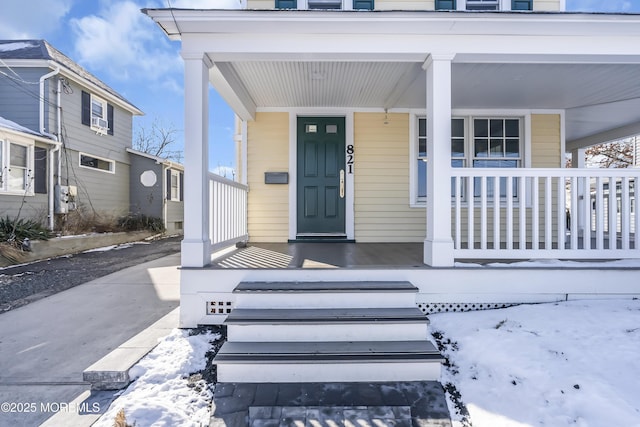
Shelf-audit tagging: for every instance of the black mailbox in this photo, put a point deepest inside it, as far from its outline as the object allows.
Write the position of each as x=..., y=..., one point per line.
x=276, y=177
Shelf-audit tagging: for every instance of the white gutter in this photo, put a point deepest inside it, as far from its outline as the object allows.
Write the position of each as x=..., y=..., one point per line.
x=56, y=144
x=42, y=79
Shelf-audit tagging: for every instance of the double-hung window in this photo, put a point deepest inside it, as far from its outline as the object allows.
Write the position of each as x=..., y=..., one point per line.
x=97, y=114
x=458, y=151
x=16, y=166
x=483, y=5
x=477, y=142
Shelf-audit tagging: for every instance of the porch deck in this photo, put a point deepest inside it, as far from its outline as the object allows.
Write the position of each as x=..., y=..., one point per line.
x=324, y=255
x=334, y=255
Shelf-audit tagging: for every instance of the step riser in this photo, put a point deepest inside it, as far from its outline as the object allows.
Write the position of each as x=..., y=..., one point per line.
x=325, y=300
x=325, y=332
x=328, y=372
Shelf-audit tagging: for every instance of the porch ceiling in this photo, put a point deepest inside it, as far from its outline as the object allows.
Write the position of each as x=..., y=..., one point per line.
x=596, y=97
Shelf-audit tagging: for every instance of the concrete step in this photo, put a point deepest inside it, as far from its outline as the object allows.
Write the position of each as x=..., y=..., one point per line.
x=361, y=361
x=325, y=294
x=343, y=324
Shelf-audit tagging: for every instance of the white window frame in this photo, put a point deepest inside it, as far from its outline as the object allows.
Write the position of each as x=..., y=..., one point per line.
x=345, y=5
x=468, y=115
x=504, y=5
x=5, y=166
x=103, y=116
x=112, y=163
x=176, y=197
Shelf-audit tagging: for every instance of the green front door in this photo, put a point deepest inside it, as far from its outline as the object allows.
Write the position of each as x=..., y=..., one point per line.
x=321, y=176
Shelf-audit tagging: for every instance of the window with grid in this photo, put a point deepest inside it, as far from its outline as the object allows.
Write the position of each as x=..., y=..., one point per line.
x=494, y=142
x=458, y=151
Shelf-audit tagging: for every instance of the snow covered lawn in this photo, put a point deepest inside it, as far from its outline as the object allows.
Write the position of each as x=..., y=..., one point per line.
x=573, y=363
x=164, y=392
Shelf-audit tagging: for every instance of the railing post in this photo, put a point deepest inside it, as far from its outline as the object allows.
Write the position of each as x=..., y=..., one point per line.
x=196, y=246
x=582, y=191
x=438, y=245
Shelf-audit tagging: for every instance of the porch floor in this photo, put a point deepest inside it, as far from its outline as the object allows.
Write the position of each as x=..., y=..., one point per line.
x=324, y=255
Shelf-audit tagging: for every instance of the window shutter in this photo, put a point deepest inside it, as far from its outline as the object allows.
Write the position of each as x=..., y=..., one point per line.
x=86, y=109
x=363, y=4
x=181, y=184
x=168, y=183
x=110, y=119
x=445, y=4
x=521, y=4
x=286, y=4
x=40, y=170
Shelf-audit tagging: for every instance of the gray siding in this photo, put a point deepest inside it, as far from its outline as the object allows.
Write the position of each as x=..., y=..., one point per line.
x=146, y=200
x=175, y=213
x=34, y=207
x=99, y=191
x=19, y=102
x=79, y=137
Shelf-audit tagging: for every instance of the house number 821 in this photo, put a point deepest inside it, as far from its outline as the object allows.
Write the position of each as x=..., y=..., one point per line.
x=350, y=158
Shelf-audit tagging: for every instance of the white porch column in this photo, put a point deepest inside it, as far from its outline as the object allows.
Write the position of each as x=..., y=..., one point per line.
x=438, y=246
x=196, y=245
x=578, y=157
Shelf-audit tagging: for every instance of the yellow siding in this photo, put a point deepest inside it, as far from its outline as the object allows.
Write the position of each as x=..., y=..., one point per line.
x=545, y=141
x=405, y=4
x=261, y=4
x=268, y=151
x=382, y=212
x=546, y=5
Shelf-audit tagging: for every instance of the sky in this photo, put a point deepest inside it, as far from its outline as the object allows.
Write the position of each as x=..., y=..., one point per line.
x=125, y=49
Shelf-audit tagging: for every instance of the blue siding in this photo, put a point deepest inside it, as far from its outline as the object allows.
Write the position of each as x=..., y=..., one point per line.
x=19, y=102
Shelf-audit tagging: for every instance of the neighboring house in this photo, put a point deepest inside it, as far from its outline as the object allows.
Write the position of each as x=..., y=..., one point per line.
x=23, y=167
x=436, y=130
x=88, y=124
x=156, y=189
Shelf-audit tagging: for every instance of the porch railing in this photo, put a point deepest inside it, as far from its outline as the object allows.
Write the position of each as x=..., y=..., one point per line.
x=228, y=212
x=545, y=213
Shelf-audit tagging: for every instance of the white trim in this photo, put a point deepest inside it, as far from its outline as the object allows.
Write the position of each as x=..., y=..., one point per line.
x=112, y=169
x=293, y=175
x=176, y=173
x=244, y=144
x=5, y=166
x=294, y=113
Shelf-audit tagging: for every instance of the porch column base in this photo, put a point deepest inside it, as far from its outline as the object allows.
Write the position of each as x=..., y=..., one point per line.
x=195, y=253
x=438, y=253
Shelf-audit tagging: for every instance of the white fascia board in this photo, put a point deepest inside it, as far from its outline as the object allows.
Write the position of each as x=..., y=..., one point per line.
x=603, y=137
x=180, y=22
x=26, y=137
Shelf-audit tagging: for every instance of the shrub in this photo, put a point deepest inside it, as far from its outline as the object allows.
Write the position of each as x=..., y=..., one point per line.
x=17, y=230
x=137, y=222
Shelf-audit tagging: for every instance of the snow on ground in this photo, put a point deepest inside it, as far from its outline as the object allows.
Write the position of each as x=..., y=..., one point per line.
x=162, y=394
x=573, y=363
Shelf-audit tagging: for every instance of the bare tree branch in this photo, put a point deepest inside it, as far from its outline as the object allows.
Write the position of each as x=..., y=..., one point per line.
x=159, y=140
x=617, y=154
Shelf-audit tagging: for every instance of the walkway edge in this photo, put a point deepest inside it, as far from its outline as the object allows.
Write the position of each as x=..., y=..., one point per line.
x=112, y=371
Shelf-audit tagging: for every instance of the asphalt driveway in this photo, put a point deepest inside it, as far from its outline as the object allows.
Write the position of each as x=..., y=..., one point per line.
x=46, y=344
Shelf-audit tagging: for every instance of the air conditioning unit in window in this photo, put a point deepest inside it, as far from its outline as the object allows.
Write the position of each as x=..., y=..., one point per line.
x=100, y=125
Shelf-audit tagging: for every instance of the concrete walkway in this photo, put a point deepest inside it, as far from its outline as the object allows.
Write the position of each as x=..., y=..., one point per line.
x=46, y=345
